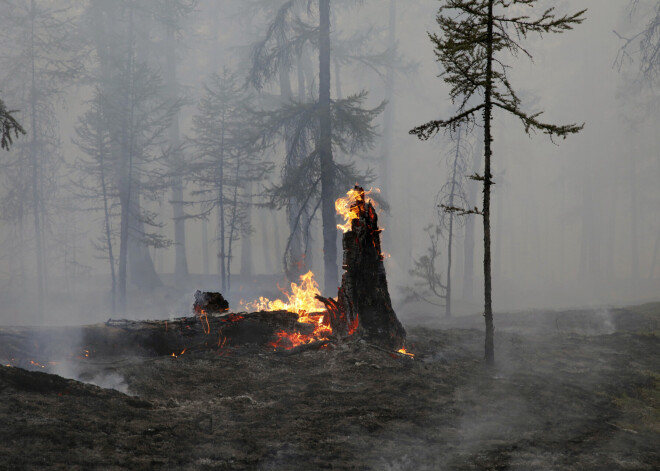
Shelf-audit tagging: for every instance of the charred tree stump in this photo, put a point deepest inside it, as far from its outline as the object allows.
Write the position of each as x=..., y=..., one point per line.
x=363, y=299
x=210, y=302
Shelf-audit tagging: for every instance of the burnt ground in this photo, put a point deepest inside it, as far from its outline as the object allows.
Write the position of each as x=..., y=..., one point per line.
x=573, y=390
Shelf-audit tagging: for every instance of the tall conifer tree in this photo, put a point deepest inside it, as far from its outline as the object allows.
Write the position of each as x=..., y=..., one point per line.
x=474, y=36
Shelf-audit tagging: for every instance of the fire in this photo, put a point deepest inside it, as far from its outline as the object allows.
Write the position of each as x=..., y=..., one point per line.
x=303, y=302
x=348, y=206
x=403, y=351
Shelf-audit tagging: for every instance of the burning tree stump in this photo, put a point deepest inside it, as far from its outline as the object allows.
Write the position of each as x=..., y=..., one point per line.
x=363, y=299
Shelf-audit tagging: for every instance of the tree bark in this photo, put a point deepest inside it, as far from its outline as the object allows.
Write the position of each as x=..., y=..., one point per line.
x=488, y=302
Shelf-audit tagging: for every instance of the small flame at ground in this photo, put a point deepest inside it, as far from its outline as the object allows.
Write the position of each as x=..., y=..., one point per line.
x=403, y=351
x=347, y=206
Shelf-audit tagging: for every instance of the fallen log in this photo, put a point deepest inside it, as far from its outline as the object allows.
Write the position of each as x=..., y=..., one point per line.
x=117, y=338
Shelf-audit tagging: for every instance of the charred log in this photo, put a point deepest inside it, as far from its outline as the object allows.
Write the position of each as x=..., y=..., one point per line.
x=210, y=302
x=121, y=338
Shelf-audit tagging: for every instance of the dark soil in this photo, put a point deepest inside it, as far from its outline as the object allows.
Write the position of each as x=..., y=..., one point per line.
x=571, y=391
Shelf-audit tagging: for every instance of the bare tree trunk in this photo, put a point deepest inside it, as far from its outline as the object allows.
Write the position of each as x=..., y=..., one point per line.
x=293, y=205
x=246, y=236
x=266, y=237
x=234, y=222
x=468, y=245
x=36, y=170
x=325, y=153
x=388, y=114
x=205, y=246
x=488, y=301
x=222, y=266
x=451, y=225
x=180, y=260
x=106, y=217
x=126, y=177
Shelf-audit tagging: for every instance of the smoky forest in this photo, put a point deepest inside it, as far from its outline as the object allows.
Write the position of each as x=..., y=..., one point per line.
x=330, y=234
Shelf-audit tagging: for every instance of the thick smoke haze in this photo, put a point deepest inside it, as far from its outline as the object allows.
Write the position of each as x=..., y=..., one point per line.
x=575, y=222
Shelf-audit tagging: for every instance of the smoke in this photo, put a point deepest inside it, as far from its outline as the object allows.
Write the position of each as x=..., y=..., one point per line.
x=91, y=374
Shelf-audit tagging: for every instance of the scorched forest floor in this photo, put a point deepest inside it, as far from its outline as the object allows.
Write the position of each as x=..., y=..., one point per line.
x=576, y=390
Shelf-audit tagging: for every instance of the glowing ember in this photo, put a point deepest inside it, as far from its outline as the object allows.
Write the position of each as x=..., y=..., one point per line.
x=204, y=319
x=348, y=206
x=174, y=355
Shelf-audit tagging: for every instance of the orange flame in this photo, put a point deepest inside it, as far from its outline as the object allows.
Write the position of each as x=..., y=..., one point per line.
x=303, y=302
x=403, y=351
x=347, y=207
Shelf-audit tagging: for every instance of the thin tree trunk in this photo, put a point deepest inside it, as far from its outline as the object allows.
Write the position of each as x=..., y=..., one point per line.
x=205, y=246
x=488, y=302
x=266, y=237
x=293, y=205
x=468, y=245
x=246, y=236
x=127, y=177
x=388, y=114
x=234, y=221
x=325, y=153
x=221, y=209
x=180, y=260
x=108, y=233
x=451, y=225
x=36, y=197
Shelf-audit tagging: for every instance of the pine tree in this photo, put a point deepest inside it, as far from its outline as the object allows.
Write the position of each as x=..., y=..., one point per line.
x=474, y=35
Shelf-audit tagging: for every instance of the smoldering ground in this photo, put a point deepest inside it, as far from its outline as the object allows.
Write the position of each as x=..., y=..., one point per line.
x=558, y=398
